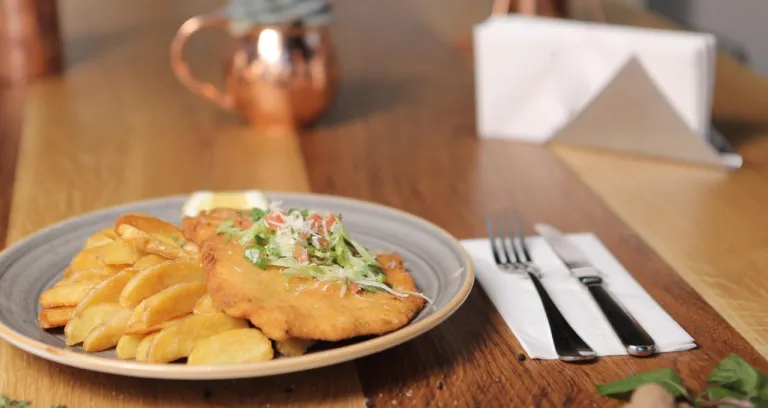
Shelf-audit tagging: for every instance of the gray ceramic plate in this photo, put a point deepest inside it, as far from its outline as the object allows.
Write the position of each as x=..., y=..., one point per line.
x=440, y=266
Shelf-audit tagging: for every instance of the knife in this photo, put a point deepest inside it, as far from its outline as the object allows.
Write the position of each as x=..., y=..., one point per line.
x=635, y=339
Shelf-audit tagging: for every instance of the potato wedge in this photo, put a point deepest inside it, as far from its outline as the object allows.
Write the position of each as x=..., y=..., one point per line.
x=107, y=291
x=66, y=295
x=205, y=305
x=175, y=301
x=97, y=275
x=293, y=347
x=155, y=328
x=165, y=232
x=145, y=242
x=119, y=252
x=142, y=350
x=55, y=317
x=177, y=341
x=237, y=346
x=158, y=278
x=86, y=259
x=67, y=273
x=127, y=346
x=100, y=238
x=81, y=324
x=149, y=260
x=106, y=335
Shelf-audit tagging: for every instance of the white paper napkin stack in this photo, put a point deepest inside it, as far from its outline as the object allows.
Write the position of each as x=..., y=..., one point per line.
x=536, y=76
x=519, y=304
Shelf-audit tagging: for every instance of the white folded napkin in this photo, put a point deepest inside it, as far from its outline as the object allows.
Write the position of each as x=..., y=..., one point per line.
x=533, y=75
x=519, y=304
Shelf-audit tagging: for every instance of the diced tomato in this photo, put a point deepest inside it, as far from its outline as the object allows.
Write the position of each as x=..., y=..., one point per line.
x=320, y=242
x=274, y=220
x=320, y=224
x=301, y=254
x=354, y=287
x=243, y=222
x=329, y=221
x=314, y=221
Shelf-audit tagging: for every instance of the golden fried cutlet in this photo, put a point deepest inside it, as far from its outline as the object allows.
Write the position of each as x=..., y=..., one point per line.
x=298, y=307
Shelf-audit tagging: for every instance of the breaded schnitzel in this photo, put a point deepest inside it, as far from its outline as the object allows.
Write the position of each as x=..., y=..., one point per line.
x=312, y=296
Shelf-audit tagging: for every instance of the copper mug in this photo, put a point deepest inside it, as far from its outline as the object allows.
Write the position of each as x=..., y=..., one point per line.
x=278, y=76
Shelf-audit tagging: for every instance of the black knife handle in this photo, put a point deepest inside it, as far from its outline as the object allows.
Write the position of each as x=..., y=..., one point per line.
x=632, y=335
x=569, y=346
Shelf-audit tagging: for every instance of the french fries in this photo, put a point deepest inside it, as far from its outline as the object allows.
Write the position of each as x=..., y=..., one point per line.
x=149, y=260
x=175, y=301
x=293, y=347
x=163, y=231
x=177, y=341
x=142, y=349
x=96, y=275
x=145, y=242
x=139, y=288
x=238, y=346
x=127, y=346
x=100, y=238
x=106, y=335
x=107, y=291
x=81, y=324
x=89, y=258
x=55, y=317
x=69, y=294
x=158, y=278
x=118, y=252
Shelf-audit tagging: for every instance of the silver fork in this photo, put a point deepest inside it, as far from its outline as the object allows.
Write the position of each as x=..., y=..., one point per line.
x=569, y=346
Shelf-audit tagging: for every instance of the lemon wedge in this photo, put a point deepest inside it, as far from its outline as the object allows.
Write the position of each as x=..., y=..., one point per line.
x=238, y=200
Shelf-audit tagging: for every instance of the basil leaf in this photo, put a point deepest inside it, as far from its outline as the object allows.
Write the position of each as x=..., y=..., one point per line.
x=666, y=377
x=733, y=373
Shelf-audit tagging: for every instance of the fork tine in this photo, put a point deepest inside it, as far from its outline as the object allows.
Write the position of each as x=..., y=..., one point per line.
x=521, y=236
x=504, y=237
x=511, y=236
x=492, y=238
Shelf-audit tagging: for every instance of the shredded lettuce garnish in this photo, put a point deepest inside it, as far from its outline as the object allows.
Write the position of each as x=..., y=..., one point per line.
x=308, y=244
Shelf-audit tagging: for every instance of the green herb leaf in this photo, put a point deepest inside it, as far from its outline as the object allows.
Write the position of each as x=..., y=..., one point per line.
x=733, y=373
x=257, y=214
x=716, y=394
x=666, y=377
x=59, y=406
x=8, y=402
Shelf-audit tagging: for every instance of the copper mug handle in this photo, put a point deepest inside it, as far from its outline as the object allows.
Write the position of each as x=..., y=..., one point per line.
x=181, y=67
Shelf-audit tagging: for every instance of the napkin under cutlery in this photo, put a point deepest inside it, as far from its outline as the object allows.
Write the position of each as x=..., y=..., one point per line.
x=519, y=305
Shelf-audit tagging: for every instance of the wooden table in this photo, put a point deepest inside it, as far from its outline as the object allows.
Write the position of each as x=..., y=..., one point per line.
x=118, y=127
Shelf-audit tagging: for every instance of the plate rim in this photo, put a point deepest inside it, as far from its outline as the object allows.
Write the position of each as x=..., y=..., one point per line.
x=251, y=370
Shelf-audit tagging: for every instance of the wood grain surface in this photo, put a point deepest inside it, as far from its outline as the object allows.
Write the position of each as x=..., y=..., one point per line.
x=118, y=127
x=706, y=224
